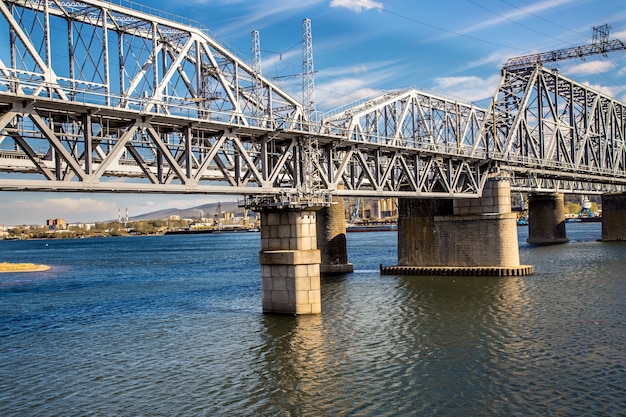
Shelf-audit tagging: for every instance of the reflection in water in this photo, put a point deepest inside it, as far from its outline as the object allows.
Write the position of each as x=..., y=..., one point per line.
x=415, y=347
x=294, y=362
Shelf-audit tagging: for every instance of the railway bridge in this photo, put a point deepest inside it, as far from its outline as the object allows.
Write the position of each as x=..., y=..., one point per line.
x=135, y=102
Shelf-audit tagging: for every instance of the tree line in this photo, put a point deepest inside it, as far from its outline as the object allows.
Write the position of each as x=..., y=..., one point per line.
x=114, y=228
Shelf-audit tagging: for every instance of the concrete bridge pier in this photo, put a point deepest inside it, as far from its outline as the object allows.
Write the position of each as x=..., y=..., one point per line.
x=613, y=217
x=546, y=219
x=290, y=262
x=459, y=237
x=331, y=239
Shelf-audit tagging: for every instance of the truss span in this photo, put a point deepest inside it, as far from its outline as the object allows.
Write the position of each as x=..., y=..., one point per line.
x=409, y=141
x=132, y=102
x=554, y=134
x=61, y=146
x=143, y=104
x=117, y=57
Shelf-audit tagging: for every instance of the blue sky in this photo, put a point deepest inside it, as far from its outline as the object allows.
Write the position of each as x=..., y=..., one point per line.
x=453, y=48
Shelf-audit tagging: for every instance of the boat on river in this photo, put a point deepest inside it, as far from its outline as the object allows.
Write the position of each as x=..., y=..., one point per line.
x=375, y=227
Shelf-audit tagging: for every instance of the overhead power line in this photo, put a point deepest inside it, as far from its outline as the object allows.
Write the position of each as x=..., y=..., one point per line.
x=599, y=45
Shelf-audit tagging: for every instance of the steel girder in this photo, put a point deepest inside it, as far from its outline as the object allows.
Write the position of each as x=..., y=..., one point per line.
x=413, y=120
x=551, y=133
x=130, y=101
x=65, y=147
x=595, y=48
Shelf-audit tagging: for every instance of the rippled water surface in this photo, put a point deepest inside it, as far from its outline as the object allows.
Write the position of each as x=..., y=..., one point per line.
x=172, y=325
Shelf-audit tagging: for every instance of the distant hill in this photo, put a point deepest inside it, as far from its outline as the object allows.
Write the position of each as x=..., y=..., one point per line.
x=207, y=211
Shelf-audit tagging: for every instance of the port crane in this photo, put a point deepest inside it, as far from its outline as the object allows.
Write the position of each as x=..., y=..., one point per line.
x=585, y=210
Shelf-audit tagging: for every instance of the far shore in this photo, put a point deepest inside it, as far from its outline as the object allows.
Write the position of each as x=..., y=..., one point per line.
x=22, y=267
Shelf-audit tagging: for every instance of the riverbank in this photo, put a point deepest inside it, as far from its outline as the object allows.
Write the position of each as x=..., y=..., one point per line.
x=22, y=267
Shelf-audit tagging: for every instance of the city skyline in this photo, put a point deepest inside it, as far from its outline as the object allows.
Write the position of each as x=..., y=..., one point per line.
x=362, y=48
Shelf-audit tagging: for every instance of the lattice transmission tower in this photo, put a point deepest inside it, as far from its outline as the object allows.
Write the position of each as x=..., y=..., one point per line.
x=308, y=72
x=311, y=182
x=257, y=85
x=310, y=189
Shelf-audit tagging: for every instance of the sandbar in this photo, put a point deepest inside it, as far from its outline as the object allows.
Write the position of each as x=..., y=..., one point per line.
x=22, y=267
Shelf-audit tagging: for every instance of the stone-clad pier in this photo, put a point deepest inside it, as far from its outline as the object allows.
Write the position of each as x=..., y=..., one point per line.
x=290, y=262
x=461, y=237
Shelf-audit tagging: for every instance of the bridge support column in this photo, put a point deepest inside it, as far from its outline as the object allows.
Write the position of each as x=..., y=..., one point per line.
x=613, y=217
x=418, y=237
x=331, y=239
x=290, y=262
x=546, y=219
x=463, y=236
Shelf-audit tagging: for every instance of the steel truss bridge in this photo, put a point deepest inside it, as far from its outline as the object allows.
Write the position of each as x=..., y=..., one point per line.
x=99, y=97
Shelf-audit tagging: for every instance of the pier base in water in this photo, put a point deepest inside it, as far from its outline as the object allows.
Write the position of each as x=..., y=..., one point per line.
x=502, y=271
x=459, y=237
x=331, y=239
x=614, y=217
x=546, y=219
x=290, y=262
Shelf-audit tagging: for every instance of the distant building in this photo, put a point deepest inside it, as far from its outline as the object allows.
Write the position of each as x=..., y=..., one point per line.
x=86, y=226
x=55, y=224
x=174, y=217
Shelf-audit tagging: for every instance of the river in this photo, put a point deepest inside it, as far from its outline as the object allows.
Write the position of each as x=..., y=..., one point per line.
x=172, y=326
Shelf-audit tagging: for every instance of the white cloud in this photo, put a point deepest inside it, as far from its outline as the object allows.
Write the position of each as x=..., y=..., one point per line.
x=179, y=202
x=497, y=58
x=35, y=208
x=342, y=92
x=515, y=14
x=282, y=64
x=619, y=35
x=341, y=86
x=356, y=5
x=263, y=14
x=467, y=88
x=591, y=67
